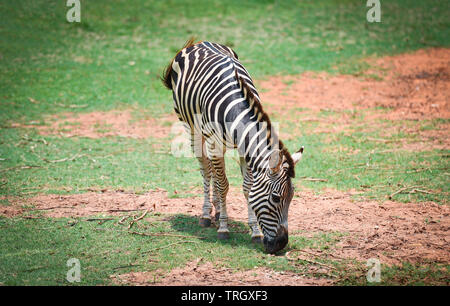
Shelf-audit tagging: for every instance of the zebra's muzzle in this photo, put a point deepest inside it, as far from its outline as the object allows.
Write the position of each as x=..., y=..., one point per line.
x=273, y=245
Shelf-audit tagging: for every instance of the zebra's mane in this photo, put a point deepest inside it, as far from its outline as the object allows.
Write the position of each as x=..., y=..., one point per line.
x=259, y=111
x=165, y=78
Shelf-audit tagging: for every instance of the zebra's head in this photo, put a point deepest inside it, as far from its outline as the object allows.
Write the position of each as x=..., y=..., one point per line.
x=271, y=195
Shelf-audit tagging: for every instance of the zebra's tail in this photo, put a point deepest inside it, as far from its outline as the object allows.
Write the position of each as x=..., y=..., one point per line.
x=165, y=78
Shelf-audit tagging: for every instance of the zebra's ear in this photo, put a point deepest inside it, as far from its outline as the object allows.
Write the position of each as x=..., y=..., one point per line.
x=275, y=161
x=297, y=155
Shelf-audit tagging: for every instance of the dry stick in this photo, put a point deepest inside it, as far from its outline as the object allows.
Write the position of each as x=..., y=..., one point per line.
x=142, y=216
x=308, y=260
x=135, y=220
x=63, y=159
x=127, y=266
x=312, y=179
x=19, y=167
x=115, y=210
x=169, y=245
x=49, y=208
x=401, y=190
x=123, y=219
x=380, y=140
x=99, y=219
x=164, y=234
x=422, y=191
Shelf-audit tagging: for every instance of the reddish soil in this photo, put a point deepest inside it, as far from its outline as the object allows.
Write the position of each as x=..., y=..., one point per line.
x=414, y=86
x=103, y=124
x=394, y=232
x=206, y=274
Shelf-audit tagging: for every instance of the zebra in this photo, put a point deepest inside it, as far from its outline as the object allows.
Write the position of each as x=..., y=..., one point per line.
x=215, y=98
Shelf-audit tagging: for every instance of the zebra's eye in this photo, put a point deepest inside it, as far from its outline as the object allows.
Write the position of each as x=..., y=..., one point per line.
x=275, y=198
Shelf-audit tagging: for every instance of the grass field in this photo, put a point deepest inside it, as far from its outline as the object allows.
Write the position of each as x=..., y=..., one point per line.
x=113, y=59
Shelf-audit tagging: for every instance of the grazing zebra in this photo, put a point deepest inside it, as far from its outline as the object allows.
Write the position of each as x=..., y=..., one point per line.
x=215, y=98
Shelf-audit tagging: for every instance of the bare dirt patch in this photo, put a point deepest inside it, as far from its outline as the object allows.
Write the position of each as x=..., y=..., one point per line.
x=206, y=274
x=394, y=232
x=103, y=124
x=414, y=86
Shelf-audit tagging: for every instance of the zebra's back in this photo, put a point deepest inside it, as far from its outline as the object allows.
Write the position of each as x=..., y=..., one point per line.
x=205, y=82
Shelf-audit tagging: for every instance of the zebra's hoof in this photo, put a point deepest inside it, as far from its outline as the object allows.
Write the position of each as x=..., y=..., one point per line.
x=204, y=222
x=223, y=235
x=257, y=240
x=216, y=216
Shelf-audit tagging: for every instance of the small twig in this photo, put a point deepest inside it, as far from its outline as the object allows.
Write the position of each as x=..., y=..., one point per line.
x=102, y=220
x=312, y=179
x=73, y=105
x=163, y=234
x=137, y=219
x=63, y=159
x=19, y=167
x=99, y=219
x=169, y=245
x=142, y=216
x=116, y=210
x=421, y=191
x=127, y=266
x=307, y=260
x=401, y=190
x=49, y=208
x=379, y=139
x=123, y=219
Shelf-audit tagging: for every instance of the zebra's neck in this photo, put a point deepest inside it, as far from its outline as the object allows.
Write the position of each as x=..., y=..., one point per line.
x=255, y=144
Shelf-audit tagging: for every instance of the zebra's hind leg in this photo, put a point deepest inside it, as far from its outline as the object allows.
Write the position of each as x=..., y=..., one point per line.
x=221, y=186
x=206, y=171
x=257, y=236
x=205, y=168
x=215, y=200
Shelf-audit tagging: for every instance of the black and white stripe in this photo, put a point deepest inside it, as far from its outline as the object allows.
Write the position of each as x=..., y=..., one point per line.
x=216, y=98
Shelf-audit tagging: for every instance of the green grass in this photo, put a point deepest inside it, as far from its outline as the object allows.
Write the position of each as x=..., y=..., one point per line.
x=35, y=251
x=113, y=60
x=114, y=57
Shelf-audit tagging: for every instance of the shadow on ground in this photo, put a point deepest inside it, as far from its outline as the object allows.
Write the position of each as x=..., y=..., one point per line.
x=239, y=231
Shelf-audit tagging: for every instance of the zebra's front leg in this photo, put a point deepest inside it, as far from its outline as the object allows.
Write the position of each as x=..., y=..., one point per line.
x=257, y=236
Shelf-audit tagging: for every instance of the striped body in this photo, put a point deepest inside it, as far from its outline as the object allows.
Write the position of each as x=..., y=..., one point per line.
x=216, y=98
